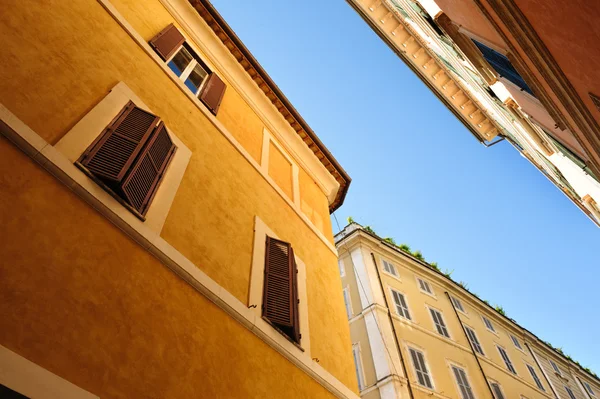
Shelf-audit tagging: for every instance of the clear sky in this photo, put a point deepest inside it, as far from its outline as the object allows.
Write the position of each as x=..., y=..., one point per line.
x=421, y=177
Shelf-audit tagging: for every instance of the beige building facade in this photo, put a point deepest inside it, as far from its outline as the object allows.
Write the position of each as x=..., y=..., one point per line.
x=418, y=334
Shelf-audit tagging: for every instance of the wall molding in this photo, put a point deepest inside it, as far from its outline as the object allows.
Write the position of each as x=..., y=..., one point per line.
x=63, y=169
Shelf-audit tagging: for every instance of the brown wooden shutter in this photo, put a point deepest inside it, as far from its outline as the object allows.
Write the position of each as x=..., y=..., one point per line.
x=280, y=295
x=142, y=182
x=167, y=42
x=111, y=155
x=213, y=92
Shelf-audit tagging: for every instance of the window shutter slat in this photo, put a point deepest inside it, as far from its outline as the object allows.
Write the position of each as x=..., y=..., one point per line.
x=167, y=41
x=142, y=182
x=213, y=92
x=280, y=295
x=110, y=157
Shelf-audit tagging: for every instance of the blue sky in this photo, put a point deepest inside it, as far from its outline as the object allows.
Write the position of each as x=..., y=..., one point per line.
x=420, y=176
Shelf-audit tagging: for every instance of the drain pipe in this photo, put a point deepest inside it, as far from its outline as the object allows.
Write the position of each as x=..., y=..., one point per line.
x=410, y=391
x=487, y=383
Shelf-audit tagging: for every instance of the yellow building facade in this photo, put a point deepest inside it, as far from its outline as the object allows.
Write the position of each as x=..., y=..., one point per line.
x=418, y=334
x=139, y=270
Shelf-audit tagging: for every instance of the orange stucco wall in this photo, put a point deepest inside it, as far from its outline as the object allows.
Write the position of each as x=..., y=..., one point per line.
x=280, y=169
x=115, y=319
x=570, y=32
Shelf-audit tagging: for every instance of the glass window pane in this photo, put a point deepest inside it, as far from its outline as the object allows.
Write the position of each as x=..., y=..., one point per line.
x=180, y=61
x=195, y=78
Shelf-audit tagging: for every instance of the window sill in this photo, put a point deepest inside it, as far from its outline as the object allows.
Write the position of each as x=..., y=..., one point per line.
x=296, y=344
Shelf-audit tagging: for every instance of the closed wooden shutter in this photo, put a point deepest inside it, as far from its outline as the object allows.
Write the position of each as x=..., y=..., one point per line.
x=142, y=182
x=112, y=154
x=213, y=92
x=280, y=295
x=167, y=42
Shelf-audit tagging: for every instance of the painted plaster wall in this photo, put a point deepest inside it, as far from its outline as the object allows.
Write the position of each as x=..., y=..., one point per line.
x=313, y=204
x=60, y=60
x=280, y=169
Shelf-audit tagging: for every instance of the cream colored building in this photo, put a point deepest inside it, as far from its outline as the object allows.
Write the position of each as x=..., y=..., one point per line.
x=418, y=334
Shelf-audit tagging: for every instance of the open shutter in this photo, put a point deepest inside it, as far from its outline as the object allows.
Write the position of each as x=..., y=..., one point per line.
x=167, y=41
x=111, y=155
x=213, y=92
x=280, y=294
x=143, y=180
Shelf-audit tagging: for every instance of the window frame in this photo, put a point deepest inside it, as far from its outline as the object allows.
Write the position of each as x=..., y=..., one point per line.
x=458, y=305
x=570, y=392
x=195, y=61
x=535, y=377
x=496, y=383
x=392, y=267
x=342, y=268
x=516, y=342
x=588, y=388
x=489, y=325
x=421, y=282
x=359, y=366
x=458, y=384
x=507, y=362
x=427, y=373
x=436, y=326
x=408, y=309
x=474, y=344
x=348, y=302
x=555, y=367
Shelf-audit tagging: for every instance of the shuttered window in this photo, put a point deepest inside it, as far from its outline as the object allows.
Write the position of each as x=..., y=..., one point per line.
x=466, y=392
x=497, y=391
x=458, y=304
x=280, y=294
x=535, y=377
x=507, y=361
x=424, y=286
x=170, y=45
x=516, y=342
x=421, y=370
x=588, y=388
x=390, y=268
x=131, y=156
x=401, y=306
x=555, y=367
x=348, y=302
x=474, y=341
x=488, y=324
x=571, y=394
x=440, y=325
x=360, y=377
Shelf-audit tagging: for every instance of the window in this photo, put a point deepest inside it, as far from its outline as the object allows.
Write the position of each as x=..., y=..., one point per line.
x=463, y=383
x=342, y=268
x=280, y=290
x=358, y=366
x=588, y=388
x=496, y=390
x=348, y=302
x=555, y=367
x=457, y=304
x=401, y=306
x=507, y=361
x=474, y=341
x=488, y=324
x=439, y=323
x=535, y=377
x=389, y=268
x=516, y=342
x=421, y=370
x=571, y=394
x=170, y=45
x=130, y=157
x=424, y=286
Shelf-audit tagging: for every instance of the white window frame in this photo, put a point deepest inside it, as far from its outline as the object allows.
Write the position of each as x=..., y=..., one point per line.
x=416, y=371
x=410, y=312
x=492, y=382
x=475, y=344
x=358, y=366
x=555, y=367
x=588, y=388
x=510, y=366
x=457, y=383
x=535, y=377
x=342, y=268
x=490, y=327
x=189, y=68
x=421, y=282
x=435, y=325
x=516, y=342
x=570, y=392
x=393, y=269
x=348, y=302
x=458, y=305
